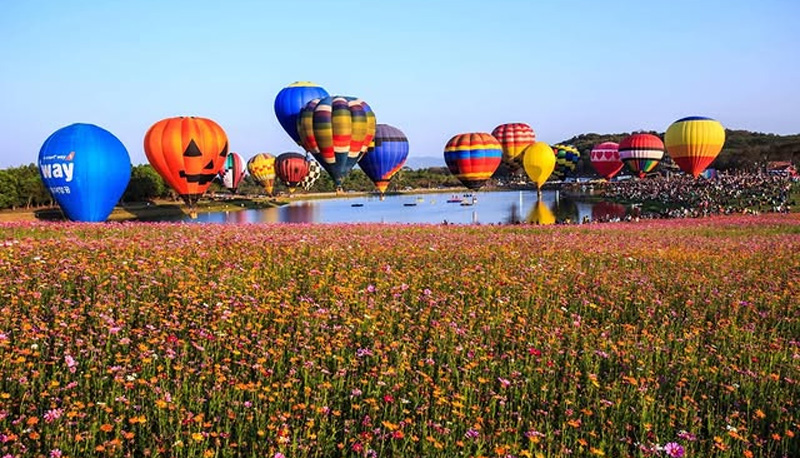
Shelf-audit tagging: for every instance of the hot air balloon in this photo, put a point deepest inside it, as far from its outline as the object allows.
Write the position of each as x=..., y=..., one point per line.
x=567, y=157
x=473, y=158
x=514, y=138
x=541, y=214
x=232, y=172
x=314, y=172
x=262, y=169
x=539, y=162
x=290, y=100
x=694, y=142
x=291, y=168
x=337, y=131
x=188, y=153
x=605, y=159
x=385, y=156
x=86, y=169
x=641, y=152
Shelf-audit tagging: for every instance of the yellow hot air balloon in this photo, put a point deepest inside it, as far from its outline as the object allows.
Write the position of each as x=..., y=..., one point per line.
x=694, y=142
x=262, y=169
x=541, y=214
x=539, y=162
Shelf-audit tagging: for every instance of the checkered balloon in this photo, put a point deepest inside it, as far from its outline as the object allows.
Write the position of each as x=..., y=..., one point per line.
x=314, y=171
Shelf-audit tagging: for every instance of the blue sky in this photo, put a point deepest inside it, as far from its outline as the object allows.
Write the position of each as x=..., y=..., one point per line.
x=431, y=68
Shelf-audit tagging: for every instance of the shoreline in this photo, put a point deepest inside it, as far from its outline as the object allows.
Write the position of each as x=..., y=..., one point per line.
x=145, y=211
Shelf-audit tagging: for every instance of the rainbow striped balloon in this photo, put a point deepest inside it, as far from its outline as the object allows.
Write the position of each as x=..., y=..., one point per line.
x=694, y=142
x=641, y=152
x=337, y=131
x=514, y=138
x=473, y=158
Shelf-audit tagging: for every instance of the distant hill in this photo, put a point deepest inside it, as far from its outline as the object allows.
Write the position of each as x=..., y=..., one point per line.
x=424, y=162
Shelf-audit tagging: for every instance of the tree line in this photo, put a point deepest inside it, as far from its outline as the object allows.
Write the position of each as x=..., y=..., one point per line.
x=22, y=187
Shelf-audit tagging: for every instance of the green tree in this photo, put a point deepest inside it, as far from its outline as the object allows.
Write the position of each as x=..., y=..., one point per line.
x=145, y=184
x=9, y=189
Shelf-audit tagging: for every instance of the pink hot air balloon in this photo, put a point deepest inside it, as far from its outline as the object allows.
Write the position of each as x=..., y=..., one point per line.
x=605, y=159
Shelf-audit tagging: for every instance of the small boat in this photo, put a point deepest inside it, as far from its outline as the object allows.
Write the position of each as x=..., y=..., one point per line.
x=410, y=204
x=356, y=205
x=420, y=199
x=466, y=203
x=453, y=200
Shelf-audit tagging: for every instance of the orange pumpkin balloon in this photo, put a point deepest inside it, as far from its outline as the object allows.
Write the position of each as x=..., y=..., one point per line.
x=187, y=152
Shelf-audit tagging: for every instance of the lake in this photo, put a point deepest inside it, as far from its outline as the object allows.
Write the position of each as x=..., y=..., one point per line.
x=505, y=207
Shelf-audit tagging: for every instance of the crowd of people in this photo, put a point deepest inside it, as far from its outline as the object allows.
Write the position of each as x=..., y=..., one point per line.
x=681, y=196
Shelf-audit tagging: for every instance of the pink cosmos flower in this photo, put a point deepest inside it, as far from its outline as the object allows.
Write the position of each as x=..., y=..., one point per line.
x=673, y=450
x=52, y=415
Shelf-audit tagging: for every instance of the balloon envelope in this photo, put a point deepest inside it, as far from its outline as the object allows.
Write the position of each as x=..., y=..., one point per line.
x=290, y=100
x=473, y=158
x=539, y=162
x=567, y=157
x=262, y=169
x=385, y=156
x=641, y=152
x=232, y=172
x=86, y=169
x=605, y=159
x=314, y=172
x=187, y=152
x=291, y=168
x=694, y=142
x=514, y=138
x=337, y=131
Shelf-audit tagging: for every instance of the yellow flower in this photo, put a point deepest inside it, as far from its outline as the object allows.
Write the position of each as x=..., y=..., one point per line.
x=197, y=437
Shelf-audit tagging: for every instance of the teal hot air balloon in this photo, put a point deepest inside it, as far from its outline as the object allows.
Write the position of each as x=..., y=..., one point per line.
x=86, y=169
x=290, y=100
x=337, y=131
x=385, y=156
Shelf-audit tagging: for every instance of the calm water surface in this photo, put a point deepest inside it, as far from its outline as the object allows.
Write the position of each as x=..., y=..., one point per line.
x=489, y=208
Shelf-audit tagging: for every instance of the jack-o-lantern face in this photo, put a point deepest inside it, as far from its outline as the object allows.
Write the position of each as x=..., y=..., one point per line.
x=187, y=152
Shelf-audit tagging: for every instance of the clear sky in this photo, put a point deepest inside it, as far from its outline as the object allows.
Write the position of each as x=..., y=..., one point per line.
x=433, y=68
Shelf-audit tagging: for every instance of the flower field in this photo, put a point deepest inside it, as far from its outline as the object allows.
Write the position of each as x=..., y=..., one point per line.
x=661, y=338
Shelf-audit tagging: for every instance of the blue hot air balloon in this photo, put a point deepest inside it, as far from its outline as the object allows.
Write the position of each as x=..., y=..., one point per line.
x=290, y=100
x=385, y=156
x=86, y=169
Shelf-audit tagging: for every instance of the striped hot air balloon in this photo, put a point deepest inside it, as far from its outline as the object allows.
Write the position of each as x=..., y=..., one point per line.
x=694, y=142
x=641, y=152
x=605, y=159
x=291, y=168
x=514, y=138
x=567, y=157
x=385, y=156
x=262, y=169
x=473, y=158
x=232, y=172
x=337, y=131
